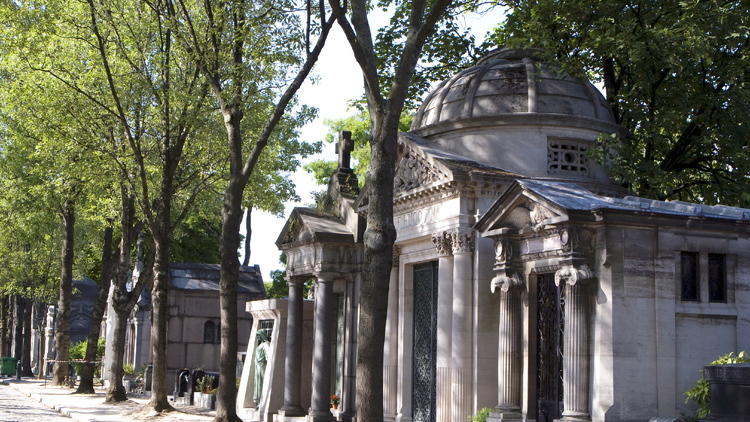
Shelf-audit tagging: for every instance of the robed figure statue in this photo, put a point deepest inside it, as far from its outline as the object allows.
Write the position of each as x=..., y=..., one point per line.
x=262, y=350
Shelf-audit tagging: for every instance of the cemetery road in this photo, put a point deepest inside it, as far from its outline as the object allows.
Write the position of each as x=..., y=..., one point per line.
x=16, y=407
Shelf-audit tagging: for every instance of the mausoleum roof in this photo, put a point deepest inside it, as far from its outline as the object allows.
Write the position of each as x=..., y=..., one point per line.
x=573, y=197
x=507, y=83
x=309, y=225
x=195, y=276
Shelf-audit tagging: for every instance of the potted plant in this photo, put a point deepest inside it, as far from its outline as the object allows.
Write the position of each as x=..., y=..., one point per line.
x=128, y=378
x=206, y=395
x=335, y=400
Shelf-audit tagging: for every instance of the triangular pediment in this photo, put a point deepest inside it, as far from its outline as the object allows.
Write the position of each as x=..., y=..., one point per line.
x=307, y=225
x=416, y=170
x=519, y=209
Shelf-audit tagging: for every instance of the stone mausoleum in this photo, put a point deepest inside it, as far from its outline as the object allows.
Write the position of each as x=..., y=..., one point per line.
x=523, y=279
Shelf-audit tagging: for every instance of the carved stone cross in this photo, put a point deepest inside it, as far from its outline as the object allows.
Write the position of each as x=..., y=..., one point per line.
x=344, y=150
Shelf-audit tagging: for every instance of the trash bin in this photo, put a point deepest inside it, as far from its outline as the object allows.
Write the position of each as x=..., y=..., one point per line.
x=8, y=366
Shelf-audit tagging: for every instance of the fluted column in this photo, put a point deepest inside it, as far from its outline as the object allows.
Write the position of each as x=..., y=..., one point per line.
x=293, y=357
x=390, y=350
x=575, y=343
x=462, y=242
x=442, y=242
x=509, y=348
x=320, y=402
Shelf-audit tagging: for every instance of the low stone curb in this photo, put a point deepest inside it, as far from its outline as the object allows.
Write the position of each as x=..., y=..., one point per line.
x=36, y=397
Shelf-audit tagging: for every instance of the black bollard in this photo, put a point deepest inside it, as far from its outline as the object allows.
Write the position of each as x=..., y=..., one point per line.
x=18, y=370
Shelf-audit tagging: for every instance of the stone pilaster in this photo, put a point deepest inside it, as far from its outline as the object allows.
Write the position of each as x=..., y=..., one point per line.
x=390, y=350
x=138, y=340
x=575, y=342
x=320, y=401
x=509, y=367
x=293, y=351
x=442, y=242
x=462, y=242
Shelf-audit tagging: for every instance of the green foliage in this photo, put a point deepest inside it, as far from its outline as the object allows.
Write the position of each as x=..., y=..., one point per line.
x=359, y=125
x=277, y=288
x=77, y=351
x=449, y=49
x=700, y=391
x=675, y=74
x=205, y=384
x=481, y=415
x=128, y=369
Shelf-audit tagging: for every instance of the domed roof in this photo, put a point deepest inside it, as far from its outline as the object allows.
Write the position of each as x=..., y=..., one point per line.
x=509, y=82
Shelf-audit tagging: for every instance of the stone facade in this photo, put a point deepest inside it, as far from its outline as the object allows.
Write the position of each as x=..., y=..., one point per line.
x=523, y=279
x=193, y=339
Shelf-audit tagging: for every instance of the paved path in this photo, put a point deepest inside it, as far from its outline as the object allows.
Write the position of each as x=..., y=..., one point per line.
x=17, y=407
x=31, y=400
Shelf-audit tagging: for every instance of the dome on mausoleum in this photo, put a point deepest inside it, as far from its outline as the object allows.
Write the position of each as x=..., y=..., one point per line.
x=511, y=83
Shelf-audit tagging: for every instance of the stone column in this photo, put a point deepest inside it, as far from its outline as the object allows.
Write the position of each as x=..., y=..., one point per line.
x=138, y=339
x=348, y=401
x=49, y=338
x=390, y=349
x=442, y=242
x=293, y=351
x=320, y=401
x=575, y=343
x=509, y=365
x=462, y=241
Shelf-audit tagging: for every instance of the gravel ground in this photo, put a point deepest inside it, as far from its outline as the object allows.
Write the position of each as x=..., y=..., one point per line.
x=16, y=407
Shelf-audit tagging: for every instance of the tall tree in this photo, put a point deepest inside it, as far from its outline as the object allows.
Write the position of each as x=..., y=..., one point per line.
x=86, y=384
x=232, y=42
x=676, y=76
x=385, y=103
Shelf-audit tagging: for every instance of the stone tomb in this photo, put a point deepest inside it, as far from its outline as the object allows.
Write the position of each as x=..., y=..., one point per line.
x=523, y=279
x=270, y=319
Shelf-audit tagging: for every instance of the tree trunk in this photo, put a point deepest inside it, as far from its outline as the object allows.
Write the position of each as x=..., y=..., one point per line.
x=373, y=305
x=160, y=305
x=116, y=391
x=4, y=319
x=122, y=300
x=86, y=386
x=62, y=334
x=248, y=235
x=230, y=241
x=18, y=328
x=26, y=360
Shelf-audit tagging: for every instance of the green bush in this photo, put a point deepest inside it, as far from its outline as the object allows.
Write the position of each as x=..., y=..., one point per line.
x=481, y=415
x=78, y=352
x=128, y=369
x=700, y=393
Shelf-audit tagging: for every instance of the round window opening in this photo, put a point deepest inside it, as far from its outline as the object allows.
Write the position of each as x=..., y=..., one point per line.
x=568, y=157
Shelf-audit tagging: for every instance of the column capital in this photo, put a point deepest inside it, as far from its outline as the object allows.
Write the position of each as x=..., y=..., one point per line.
x=442, y=243
x=462, y=241
x=572, y=275
x=327, y=276
x=505, y=280
x=294, y=281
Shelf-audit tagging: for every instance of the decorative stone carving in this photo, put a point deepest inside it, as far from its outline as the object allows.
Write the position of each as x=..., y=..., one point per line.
x=443, y=243
x=538, y=214
x=576, y=239
x=462, y=241
x=503, y=251
x=262, y=352
x=415, y=171
x=505, y=281
x=571, y=275
x=292, y=232
x=396, y=255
